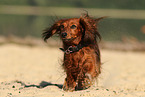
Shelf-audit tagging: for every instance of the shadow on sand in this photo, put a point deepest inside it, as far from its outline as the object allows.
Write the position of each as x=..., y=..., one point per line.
x=43, y=84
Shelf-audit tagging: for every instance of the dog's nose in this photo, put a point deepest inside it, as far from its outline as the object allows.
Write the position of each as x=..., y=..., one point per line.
x=64, y=35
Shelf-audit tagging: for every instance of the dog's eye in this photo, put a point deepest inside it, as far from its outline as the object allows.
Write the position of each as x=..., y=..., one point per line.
x=73, y=27
x=62, y=26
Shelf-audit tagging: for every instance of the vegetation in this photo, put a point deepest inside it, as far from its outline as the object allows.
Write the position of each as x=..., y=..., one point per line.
x=110, y=29
x=121, y=4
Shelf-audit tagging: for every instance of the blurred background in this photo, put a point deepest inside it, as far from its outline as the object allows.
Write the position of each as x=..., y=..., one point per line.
x=28, y=18
x=28, y=64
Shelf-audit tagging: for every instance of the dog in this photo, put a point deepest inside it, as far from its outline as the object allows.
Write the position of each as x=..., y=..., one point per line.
x=82, y=62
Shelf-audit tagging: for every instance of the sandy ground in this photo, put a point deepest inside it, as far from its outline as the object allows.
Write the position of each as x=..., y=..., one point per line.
x=36, y=72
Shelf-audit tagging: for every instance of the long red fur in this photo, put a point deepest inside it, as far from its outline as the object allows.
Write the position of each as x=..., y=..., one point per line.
x=83, y=65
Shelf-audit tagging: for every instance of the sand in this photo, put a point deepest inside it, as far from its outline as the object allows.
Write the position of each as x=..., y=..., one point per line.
x=37, y=72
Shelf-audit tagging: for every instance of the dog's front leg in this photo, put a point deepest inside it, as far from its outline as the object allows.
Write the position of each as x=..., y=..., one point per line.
x=69, y=83
x=84, y=79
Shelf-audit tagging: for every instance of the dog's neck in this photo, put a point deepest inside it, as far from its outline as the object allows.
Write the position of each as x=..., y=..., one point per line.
x=72, y=49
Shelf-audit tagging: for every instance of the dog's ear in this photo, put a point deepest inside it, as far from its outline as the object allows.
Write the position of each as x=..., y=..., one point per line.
x=89, y=30
x=52, y=30
x=89, y=26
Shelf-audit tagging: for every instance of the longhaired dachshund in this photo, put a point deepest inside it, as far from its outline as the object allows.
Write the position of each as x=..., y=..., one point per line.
x=82, y=61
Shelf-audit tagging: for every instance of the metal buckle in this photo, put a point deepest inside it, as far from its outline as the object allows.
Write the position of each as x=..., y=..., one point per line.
x=68, y=51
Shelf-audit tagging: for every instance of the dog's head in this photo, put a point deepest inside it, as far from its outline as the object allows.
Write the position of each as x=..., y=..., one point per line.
x=74, y=30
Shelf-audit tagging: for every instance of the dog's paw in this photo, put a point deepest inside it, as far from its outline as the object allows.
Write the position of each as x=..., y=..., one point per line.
x=85, y=84
x=69, y=88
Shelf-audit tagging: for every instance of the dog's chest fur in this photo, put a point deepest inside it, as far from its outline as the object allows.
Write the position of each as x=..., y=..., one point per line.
x=74, y=62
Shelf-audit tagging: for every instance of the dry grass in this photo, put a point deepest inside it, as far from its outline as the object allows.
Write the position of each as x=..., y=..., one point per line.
x=51, y=11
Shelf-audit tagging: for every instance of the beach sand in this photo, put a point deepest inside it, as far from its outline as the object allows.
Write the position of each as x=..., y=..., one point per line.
x=36, y=71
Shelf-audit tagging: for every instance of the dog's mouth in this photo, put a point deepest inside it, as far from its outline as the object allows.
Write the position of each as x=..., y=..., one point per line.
x=67, y=40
